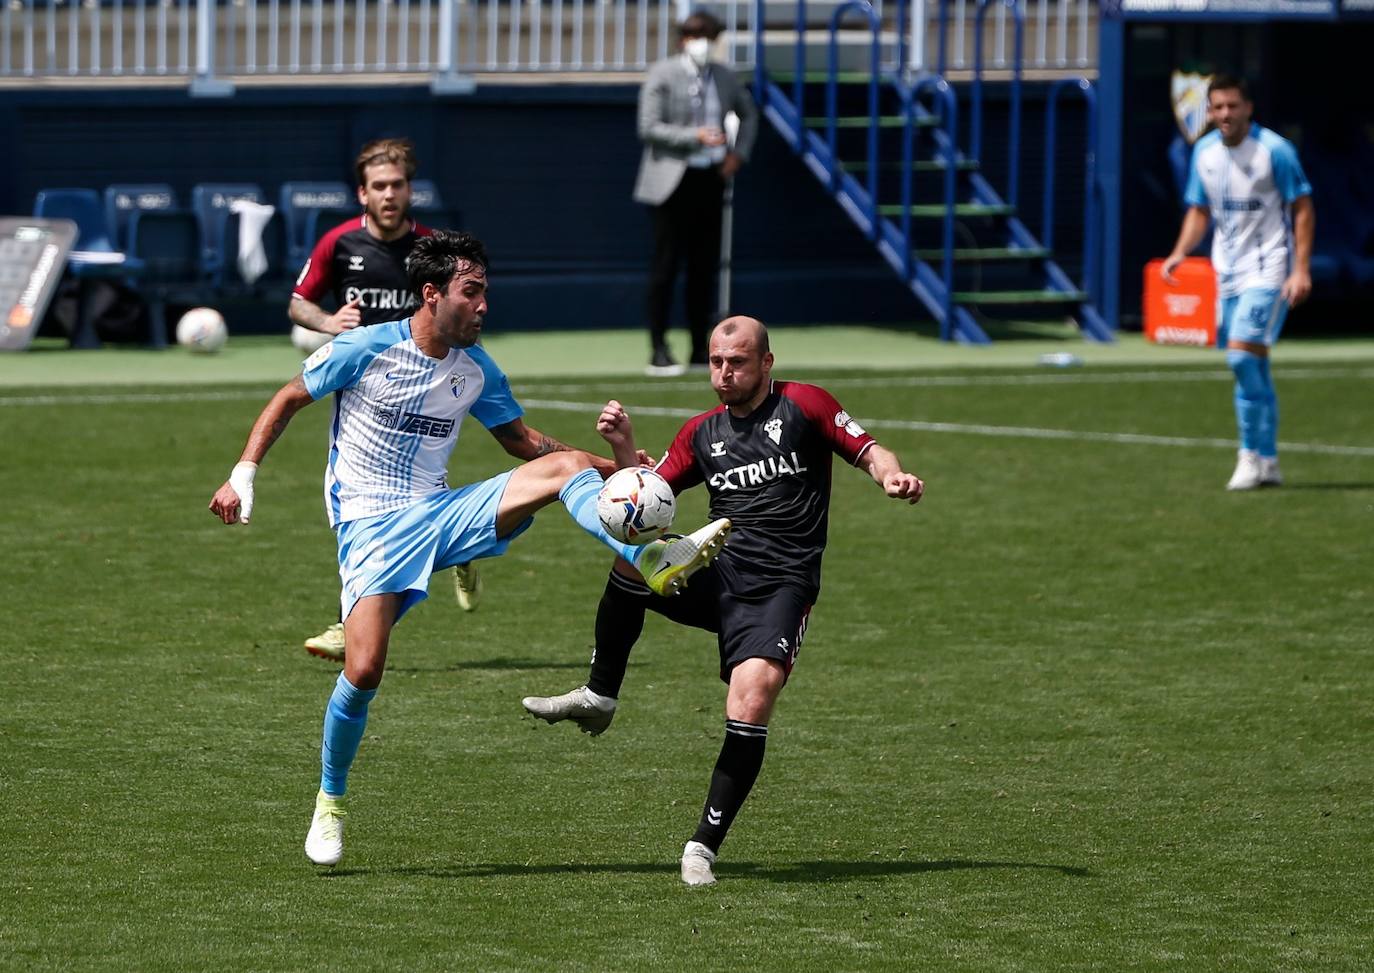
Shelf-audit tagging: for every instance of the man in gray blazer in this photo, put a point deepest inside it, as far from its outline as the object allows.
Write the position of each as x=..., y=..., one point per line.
x=686, y=163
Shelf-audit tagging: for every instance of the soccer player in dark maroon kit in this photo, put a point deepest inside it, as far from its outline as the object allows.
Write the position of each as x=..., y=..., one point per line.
x=765, y=456
x=362, y=261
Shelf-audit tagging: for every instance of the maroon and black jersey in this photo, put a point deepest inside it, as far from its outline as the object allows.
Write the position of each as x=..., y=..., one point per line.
x=770, y=474
x=350, y=263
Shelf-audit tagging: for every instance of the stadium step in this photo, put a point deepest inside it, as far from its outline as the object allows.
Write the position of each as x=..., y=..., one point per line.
x=927, y=211
x=1019, y=297
x=920, y=165
x=1004, y=254
x=862, y=121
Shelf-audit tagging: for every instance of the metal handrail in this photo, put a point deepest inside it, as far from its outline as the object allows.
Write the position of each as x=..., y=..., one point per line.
x=950, y=117
x=832, y=99
x=1085, y=88
x=1014, y=125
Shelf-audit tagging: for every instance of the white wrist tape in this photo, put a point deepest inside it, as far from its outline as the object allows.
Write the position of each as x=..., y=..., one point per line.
x=241, y=479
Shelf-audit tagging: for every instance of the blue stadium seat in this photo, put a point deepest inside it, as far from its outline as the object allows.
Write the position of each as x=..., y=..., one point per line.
x=123, y=200
x=321, y=221
x=210, y=202
x=82, y=207
x=424, y=195
x=298, y=201
x=167, y=244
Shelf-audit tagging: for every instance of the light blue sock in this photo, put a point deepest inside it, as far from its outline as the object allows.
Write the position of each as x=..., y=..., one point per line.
x=579, y=496
x=345, y=718
x=1251, y=396
x=1269, y=419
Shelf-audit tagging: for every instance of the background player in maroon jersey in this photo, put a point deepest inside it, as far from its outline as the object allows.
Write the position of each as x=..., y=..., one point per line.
x=361, y=264
x=764, y=455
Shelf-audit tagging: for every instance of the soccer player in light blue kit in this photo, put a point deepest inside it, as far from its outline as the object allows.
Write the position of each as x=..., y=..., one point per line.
x=400, y=392
x=1249, y=181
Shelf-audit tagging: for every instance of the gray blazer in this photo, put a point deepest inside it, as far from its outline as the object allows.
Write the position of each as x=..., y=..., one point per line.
x=667, y=130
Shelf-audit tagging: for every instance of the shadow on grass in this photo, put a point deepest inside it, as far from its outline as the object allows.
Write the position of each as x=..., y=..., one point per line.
x=1329, y=486
x=806, y=871
x=494, y=664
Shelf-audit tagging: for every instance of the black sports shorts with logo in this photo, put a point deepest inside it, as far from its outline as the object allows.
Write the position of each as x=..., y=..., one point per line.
x=753, y=618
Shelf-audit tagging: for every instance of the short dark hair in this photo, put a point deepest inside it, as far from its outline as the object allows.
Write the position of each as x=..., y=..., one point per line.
x=700, y=23
x=437, y=258
x=1228, y=82
x=396, y=152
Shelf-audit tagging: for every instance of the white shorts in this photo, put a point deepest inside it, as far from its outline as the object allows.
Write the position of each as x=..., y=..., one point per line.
x=396, y=552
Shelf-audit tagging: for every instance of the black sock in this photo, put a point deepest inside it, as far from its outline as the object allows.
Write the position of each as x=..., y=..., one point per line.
x=737, y=767
x=619, y=620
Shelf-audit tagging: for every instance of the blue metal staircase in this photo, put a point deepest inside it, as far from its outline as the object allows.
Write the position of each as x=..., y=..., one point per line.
x=886, y=147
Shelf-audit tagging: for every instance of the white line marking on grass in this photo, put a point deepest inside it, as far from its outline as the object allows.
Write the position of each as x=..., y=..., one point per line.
x=559, y=405
x=138, y=398
x=977, y=429
x=879, y=380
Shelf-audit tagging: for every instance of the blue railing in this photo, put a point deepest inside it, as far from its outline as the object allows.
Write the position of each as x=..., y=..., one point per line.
x=1090, y=228
x=949, y=111
x=1014, y=124
x=832, y=102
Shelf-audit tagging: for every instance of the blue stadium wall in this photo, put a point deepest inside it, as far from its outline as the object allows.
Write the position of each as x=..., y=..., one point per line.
x=542, y=174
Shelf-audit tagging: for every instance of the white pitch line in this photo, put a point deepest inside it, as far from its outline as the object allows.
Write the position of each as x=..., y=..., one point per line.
x=138, y=398
x=559, y=405
x=976, y=429
x=878, y=380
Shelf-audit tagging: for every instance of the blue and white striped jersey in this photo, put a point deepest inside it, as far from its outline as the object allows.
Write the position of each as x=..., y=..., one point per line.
x=1248, y=189
x=397, y=415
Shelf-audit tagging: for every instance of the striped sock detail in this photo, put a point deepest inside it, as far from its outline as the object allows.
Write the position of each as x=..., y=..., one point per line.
x=629, y=586
x=740, y=728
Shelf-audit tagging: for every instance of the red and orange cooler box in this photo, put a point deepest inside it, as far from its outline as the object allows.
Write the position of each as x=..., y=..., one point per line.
x=1184, y=313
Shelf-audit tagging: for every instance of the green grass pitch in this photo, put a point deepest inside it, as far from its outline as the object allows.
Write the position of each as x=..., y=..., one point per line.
x=1081, y=709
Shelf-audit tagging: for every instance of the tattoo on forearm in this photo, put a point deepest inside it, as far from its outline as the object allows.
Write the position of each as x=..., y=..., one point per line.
x=547, y=444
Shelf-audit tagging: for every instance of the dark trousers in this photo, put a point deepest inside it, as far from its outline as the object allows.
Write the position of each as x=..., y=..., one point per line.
x=687, y=229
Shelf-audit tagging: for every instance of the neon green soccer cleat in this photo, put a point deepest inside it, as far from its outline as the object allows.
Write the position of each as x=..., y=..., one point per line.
x=329, y=644
x=324, y=842
x=467, y=585
x=667, y=564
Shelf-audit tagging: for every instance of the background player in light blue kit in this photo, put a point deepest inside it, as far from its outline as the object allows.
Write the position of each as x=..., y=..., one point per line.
x=401, y=391
x=1249, y=181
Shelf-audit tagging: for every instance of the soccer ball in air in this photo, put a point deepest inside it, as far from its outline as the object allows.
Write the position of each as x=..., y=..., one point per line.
x=307, y=341
x=202, y=329
x=636, y=505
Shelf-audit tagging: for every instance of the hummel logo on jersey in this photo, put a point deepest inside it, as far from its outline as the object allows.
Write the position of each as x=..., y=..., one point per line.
x=843, y=421
x=414, y=422
x=712, y=815
x=752, y=474
x=774, y=429
x=718, y=449
x=355, y=262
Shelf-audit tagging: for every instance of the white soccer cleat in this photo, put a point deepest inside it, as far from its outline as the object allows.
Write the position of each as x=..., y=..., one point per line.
x=329, y=644
x=1247, y=475
x=591, y=711
x=697, y=862
x=467, y=585
x=324, y=842
x=1270, y=475
x=667, y=564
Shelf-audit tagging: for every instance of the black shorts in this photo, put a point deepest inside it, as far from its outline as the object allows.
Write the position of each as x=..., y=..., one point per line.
x=753, y=618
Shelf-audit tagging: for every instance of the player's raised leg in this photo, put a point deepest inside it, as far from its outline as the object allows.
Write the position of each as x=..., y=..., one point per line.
x=570, y=477
x=368, y=631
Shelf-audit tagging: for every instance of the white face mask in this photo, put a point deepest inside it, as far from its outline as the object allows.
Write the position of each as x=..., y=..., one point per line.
x=698, y=49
